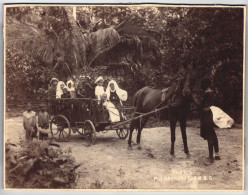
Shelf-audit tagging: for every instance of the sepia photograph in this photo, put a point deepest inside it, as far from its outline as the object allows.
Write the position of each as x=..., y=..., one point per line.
x=124, y=97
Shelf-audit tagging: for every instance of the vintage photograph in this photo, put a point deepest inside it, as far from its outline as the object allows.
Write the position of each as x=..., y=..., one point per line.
x=130, y=97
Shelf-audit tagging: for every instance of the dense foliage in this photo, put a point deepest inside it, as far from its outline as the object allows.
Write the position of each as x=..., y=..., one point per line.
x=141, y=45
x=39, y=164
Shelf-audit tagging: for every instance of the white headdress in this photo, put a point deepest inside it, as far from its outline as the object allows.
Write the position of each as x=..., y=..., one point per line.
x=59, y=91
x=122, y=94
x=72, y=88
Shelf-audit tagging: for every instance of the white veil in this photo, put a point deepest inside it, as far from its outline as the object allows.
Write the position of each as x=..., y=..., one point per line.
x=122, y=94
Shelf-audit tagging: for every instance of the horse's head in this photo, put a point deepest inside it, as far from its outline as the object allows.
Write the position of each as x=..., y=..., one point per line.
x=188, y=82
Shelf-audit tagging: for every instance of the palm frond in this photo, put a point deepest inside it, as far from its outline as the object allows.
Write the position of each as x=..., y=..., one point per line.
x=132, y=26
x=121, y=68
x=30, y=40
x=103, y=38
x=128, y=47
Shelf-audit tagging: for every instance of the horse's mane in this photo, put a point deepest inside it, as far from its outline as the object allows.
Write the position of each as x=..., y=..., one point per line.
x=137, y=95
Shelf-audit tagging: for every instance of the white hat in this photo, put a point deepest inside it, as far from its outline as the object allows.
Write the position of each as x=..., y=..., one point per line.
x=53, y=79
x=69, y=82
x=82, y=76
x=98, y=79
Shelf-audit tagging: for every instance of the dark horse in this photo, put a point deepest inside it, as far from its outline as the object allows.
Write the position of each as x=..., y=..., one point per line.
x=178, y=100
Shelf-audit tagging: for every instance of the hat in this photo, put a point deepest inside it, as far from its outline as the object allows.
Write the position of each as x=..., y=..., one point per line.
x=98, y=79
x=53, y=79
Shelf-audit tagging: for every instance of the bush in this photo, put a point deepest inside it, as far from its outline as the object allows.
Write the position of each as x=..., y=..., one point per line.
x=39, y=164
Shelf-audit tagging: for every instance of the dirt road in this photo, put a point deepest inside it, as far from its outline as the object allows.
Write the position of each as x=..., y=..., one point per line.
x=109, y=164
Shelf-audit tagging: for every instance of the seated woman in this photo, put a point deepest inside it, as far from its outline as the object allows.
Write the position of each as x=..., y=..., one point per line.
x=114, y=114
x=52, y=89
x=71, y=88
x=99, y=90
x=116, y=96
x=60, y=87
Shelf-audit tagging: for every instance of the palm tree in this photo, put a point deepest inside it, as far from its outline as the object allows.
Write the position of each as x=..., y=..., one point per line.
x=52, y=36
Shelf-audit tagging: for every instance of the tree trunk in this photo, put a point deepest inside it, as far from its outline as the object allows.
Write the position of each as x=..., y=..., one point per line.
x=78, y=39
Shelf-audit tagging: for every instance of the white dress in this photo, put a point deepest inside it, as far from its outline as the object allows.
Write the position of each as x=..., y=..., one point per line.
x=99, y=90
x=220, y=118
x=113, y=112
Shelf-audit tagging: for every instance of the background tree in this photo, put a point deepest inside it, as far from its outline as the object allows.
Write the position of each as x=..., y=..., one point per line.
x=141, y=45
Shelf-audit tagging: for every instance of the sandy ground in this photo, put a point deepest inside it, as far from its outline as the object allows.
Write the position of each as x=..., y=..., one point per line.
x=109, y=164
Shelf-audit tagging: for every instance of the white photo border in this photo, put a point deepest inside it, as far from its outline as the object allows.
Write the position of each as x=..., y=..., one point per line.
x=169, y=2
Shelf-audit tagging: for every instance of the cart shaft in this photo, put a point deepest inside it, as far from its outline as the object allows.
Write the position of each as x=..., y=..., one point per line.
x=138, y=117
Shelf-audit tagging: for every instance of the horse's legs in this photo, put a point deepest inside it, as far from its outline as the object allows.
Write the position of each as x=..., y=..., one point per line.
x=132, y=126
x=173, y=121
x=141, y=125
x=183, y=132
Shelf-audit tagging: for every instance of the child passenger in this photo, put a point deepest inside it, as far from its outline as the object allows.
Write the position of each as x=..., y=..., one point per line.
x=114, y=114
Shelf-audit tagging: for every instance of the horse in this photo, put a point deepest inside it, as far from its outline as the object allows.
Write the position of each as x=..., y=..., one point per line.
x=178, y=101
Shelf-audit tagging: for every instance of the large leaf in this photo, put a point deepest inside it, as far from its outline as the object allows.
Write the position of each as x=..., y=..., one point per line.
x=128, y=47
x=30, y=40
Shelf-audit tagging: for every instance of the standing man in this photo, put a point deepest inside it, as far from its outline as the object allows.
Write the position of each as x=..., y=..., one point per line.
x=43, y=123
x=207, y=131
x=29, y=122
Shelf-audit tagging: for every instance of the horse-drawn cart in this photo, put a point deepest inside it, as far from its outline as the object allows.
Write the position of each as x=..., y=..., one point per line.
x=84, y=116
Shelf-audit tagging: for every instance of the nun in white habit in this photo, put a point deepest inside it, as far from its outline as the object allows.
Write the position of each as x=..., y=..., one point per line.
x=71, y=88
x=116, y=95
x=60, y=87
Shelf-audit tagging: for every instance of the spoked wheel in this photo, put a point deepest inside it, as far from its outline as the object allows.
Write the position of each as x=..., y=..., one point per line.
x=60, y=128
x=122, y=133
x=90, y=132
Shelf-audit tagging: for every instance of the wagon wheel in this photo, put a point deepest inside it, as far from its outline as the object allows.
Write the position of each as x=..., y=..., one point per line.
x=90, y=132
x=60, y=128
x=122, y=133
x=80, y=131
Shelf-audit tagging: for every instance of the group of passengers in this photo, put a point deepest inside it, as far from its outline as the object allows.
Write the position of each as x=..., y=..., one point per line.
x=111, y=97
x=59, y=89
